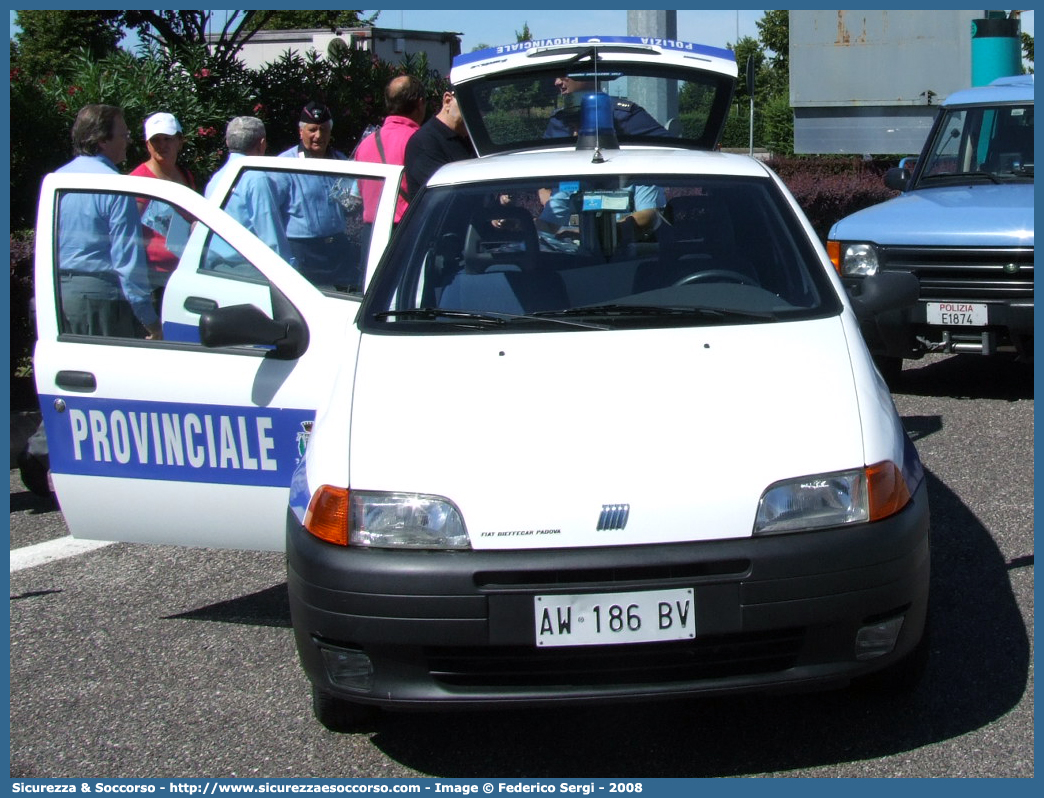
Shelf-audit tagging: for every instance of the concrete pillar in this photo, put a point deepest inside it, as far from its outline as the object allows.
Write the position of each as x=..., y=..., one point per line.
x=659, y=100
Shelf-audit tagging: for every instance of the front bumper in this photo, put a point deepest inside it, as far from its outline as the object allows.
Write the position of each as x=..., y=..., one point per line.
x=907, y=332
x=456, y=629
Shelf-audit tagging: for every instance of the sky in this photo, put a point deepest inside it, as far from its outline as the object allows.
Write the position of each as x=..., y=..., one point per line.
x=714, y=28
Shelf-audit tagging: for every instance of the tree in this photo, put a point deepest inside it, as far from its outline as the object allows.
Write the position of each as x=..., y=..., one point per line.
x=1027, y=48
x=47, y=37
x=774, y=34
x=299, y=20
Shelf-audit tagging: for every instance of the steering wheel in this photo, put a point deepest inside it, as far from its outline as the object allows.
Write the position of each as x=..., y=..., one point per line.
x=717, y=276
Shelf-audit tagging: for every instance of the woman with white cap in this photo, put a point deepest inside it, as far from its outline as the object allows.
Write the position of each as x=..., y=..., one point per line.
x=164, y=141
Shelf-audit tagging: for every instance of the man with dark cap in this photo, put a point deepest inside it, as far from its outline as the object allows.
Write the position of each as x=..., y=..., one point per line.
x=314, y=128
x=316, y=229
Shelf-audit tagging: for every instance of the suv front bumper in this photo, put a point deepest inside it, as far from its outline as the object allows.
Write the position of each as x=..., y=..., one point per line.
x=456, y=629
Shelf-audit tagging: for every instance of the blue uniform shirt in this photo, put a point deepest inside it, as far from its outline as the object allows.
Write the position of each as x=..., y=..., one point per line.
x=100, y=234
x=629, y=119
x=314, y=209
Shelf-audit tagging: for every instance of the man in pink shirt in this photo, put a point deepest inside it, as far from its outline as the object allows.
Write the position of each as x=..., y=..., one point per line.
x=404, y=102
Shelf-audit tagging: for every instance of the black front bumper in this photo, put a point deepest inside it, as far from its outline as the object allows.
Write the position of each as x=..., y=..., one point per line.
x=457, y=628
x=907, y=333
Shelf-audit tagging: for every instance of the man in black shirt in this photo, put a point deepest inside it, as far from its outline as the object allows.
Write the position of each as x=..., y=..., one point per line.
x=440, y=140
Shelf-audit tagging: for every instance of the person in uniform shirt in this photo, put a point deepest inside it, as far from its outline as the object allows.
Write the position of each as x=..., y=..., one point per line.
x=629, y=118
x=244, y=135
x=105, y=286
x=103, y=282
x=441, y=140
x=317, y=227
x=260, y=200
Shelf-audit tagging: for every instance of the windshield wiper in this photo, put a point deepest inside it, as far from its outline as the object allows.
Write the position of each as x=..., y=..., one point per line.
x=491, y=317
x=962, y=176
x=687, y=311
x=442, y=313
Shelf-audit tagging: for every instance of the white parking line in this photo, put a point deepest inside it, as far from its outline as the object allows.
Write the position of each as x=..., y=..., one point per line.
x=52, y=550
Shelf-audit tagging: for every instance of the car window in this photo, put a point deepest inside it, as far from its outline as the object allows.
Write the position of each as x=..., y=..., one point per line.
x=314, y=221
x=992, y=141
x=107, y=284
x=624, y=250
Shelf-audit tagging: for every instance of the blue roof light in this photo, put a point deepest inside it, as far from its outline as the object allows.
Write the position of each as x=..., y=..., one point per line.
x=596, y=123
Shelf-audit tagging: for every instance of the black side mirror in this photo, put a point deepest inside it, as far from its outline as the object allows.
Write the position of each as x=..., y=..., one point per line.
x=897, y=178
x=885, y=291
x=248, y=325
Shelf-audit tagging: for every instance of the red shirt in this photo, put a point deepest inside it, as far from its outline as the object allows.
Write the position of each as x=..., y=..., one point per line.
x=156, y=253
x=395, y=132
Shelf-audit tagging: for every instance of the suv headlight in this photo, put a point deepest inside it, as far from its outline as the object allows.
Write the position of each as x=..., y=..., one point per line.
x=829, y=500
x=380, y=519
x=859, y=260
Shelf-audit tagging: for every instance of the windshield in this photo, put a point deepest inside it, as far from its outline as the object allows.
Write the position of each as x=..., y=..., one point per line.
x=992, y=143
x=600, y=252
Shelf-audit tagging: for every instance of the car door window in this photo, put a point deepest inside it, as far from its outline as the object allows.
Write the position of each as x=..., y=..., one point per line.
x=312, y=220
x=104, y=288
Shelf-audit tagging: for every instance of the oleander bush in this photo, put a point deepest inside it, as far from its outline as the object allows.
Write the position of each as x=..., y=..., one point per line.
x=830, y=188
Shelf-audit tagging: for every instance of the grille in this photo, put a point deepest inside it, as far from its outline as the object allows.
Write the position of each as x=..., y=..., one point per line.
x=969, y=273
x=652, y=663
x=633, y=574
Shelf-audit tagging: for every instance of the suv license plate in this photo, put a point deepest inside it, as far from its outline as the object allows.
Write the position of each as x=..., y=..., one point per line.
x=957, y=314
x=598, y=619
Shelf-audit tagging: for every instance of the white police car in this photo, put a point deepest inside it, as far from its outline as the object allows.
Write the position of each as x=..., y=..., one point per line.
x=603, y=427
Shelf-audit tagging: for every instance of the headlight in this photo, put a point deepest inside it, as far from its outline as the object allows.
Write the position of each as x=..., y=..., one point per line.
x=859, y=260
x=385, y=520
x=405, y=520
x=827, y=500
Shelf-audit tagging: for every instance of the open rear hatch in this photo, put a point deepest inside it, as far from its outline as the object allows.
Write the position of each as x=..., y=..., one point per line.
x=659, y=92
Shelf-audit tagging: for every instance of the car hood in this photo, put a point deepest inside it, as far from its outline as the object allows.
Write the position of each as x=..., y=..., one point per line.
x=980, y=215
x=532, y=435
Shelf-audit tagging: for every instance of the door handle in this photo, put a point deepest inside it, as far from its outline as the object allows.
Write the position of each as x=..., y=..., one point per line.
x=79, y=381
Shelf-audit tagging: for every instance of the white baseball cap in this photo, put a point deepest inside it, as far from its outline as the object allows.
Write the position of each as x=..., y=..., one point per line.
x=164, y=123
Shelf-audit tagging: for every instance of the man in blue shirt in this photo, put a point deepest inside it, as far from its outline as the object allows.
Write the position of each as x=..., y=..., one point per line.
x=317, y=228
x=259, y=201
x=245, y=135
x=104, y=285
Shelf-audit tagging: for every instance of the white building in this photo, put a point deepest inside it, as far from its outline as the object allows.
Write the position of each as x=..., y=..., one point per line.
x=388, y=44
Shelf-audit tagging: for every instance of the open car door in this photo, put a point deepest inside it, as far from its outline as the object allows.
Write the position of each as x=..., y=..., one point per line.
x=192, y=439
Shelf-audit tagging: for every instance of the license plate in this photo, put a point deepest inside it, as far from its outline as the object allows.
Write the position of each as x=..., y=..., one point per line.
x=598, y=619
x=957, y=314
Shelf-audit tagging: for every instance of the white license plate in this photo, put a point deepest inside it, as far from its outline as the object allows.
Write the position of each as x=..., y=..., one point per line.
x=598, y=619
x=957, y=314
